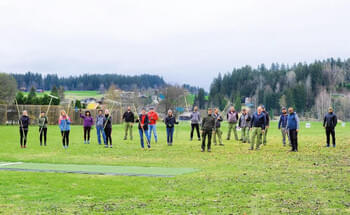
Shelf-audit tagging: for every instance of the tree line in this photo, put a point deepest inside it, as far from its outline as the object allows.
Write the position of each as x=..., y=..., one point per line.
x=301, y=85
x=88, y=81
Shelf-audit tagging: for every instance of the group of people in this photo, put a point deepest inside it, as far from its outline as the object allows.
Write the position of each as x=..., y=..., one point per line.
x=254, y=127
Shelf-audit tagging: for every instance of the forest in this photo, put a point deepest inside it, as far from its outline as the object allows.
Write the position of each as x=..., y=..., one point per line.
x=309, y=88
x=88, y=81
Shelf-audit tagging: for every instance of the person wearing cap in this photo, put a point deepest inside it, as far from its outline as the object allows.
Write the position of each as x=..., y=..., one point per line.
x=282, y=125
x=129, y=119
x=243, y=123
x=153, y=117
x=329, y=123
x=43, y=127
x=208, y=124
x=293, y=128
x=217, y=130
x=267, y=124
x=257, y=125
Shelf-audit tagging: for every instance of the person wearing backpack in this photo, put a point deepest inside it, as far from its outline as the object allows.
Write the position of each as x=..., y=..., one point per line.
x=232, y=118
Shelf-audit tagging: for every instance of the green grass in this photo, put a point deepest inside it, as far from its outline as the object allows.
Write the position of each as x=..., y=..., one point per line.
x=75, y=94
x=231, y=180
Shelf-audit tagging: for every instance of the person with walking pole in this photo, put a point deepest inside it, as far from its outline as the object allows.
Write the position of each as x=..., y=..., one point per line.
x=232, y=118
x=43, y=121
x=282, y=125
x=24, y=123
x=64, y=124
x=243, y=123
x=195, y=120
x=88, y=122
x=267, y=116
x=143, y=128
x=170, y=122
x=108, y=128
x=257, y=126
x=293, y=128
x=129, y=119
x=217, y=128
x=329, y=123
x=208, y=124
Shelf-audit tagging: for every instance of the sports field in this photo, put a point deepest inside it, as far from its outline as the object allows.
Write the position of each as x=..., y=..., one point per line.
x=229, y=180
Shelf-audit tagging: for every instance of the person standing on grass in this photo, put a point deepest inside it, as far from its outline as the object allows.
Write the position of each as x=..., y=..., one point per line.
x=195, y=120
x=129, y=119
x=108, y=128
x=243, y=123
x=43, y=127
x=293, y=128
x=232, y=118
x=329, y=123
x=258, y=125
x=267, y=116
x=64, y=124
x=217, y=130
x=24, y=123
x=143, y=128
x=88, y=122
x=282, y=125
x=153, y=117
x=208, y=124
x=170, y=122
x=100, y=120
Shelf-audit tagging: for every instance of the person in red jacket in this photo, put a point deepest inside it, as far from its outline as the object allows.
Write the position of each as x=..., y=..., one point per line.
x=153, y=117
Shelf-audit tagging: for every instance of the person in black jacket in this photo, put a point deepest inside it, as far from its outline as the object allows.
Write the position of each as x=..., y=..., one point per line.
x=143, y=128
x=208, y=124
x=170, y=122
x=267, y=116
x=108, y=128
x=129, y=119
x=24, y=122
x=244, y=124
x=329, y=123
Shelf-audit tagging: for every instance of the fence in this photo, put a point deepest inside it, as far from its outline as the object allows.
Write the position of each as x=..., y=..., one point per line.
x=9, y=114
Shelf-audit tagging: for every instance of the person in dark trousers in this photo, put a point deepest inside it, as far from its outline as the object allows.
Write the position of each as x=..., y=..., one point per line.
x=267, y=116
x=108, y=128
x=208, y=124
x=88, y=122
x=100, y=120
x=329, y=123
x=232, y=118
x=24, y=123
x=64, y=124
x=43, y=127
x=293, y=128
x=143, y=128
x=258, y=126
x=129, y=119
x=170, y=122
x=244, y=124
x=282, y=125
x=195, y=120
x=217, y=129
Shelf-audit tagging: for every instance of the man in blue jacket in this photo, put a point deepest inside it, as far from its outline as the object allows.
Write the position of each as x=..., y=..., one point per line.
x=329, y=123
x=258, y=125
x=293, y=128
x=282, y=125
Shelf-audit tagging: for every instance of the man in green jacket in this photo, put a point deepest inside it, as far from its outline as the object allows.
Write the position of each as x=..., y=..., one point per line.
x=208, y=124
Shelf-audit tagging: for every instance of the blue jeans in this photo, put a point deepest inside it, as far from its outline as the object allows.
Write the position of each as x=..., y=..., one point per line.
x=100, y=130
x=169, y=134
x=141, y=138
x=154, y=128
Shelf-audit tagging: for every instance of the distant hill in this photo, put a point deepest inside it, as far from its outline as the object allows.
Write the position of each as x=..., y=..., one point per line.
x=88, y=82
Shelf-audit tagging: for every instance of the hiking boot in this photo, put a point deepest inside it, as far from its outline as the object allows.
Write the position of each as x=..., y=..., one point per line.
x=250, y=149
x=209, y=150
x=199, y=139
x=110, y=146
x=221, y=144
x=202, y=150
x=106, y=146
x=125, y=138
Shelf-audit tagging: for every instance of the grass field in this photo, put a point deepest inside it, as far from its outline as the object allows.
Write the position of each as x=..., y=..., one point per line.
x=229, y=180
x=75, y=94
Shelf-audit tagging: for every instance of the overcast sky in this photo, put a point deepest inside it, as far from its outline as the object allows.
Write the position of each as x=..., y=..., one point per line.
x=184, y=41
